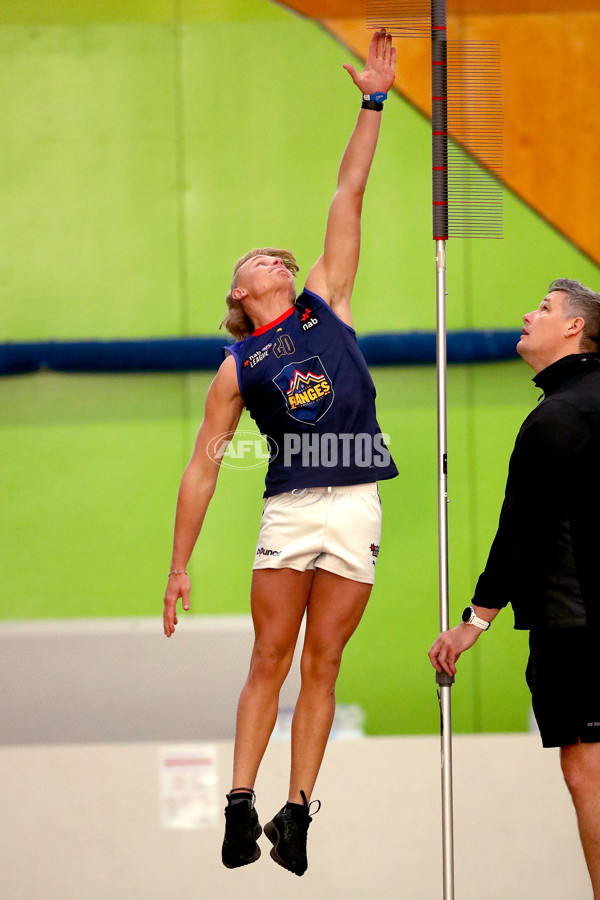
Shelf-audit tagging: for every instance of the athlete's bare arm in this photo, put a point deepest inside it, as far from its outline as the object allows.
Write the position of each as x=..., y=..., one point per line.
x=332, y=276
x=222, y=413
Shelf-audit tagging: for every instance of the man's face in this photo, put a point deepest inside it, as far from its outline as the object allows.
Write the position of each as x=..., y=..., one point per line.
x=262, y=275
x=543, y=338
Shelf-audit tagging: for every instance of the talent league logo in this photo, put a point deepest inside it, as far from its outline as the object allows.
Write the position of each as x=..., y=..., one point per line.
x=255, y=358
x=307, y=389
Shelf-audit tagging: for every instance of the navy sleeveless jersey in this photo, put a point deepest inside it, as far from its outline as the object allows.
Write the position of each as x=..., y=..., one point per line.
x=307, y=386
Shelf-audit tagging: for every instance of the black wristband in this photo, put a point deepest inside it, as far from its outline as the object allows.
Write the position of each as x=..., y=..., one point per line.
x=371, y=104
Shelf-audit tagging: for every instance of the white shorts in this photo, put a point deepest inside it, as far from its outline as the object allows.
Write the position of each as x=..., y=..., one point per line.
x=332, y=528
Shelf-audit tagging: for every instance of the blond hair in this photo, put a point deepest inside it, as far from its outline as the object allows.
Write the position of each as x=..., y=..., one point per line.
x=236, y=321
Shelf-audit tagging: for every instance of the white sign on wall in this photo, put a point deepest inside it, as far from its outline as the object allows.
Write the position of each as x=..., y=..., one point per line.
x=188, y=786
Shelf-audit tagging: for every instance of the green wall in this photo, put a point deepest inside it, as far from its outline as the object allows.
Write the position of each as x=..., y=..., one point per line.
x=147, y=146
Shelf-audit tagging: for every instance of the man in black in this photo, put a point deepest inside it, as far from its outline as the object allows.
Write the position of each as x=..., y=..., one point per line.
x=544, y=557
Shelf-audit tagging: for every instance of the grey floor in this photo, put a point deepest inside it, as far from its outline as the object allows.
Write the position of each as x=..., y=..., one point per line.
x=84, y=822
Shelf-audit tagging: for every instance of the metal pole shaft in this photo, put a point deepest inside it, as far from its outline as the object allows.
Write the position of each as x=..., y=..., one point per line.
x=447, y=808
x=444, y=681
x=442, y=444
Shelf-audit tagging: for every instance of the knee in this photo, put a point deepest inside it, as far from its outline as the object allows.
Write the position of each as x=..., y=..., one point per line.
x=320, y=667
x=571, y=771
x=270, y=662
x=580, y=767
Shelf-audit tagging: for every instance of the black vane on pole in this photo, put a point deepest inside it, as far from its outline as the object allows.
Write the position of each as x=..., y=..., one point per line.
x=404, y=18
x=466, y=74
x=475, y=146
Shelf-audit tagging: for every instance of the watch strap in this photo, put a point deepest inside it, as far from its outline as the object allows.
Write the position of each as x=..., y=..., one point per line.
x=473, y=619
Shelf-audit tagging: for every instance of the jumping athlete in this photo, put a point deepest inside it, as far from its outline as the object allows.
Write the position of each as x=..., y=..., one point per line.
x=297, y=368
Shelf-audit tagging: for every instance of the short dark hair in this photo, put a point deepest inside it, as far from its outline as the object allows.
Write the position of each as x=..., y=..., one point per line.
x=581, y=301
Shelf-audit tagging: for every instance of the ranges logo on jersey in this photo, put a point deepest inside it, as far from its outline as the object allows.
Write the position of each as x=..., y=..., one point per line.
x=307, y=389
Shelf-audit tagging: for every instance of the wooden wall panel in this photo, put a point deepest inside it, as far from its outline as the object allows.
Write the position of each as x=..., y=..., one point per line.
x=550, y=73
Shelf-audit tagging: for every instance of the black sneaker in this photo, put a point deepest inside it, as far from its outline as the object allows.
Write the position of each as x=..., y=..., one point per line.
x=241, y=833
x=287, y=831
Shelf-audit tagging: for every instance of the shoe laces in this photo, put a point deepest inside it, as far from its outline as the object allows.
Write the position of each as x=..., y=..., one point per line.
x=304, y=813
x=308, y=805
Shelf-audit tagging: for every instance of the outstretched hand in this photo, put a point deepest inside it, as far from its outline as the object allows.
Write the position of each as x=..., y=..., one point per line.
x=380, y=69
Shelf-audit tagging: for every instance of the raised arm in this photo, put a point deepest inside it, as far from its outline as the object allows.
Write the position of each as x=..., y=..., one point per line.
x=222, y=412
x=332, y=276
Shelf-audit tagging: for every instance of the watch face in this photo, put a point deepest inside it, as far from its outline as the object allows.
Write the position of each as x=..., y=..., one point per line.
x=467, y=613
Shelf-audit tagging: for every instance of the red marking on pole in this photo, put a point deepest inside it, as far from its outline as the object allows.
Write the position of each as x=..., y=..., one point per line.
x=439, y=168
x=439, y=63
x=439, y=132
x=440, y=203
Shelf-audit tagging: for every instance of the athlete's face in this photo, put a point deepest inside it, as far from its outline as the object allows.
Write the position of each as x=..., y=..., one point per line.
x=263, y=275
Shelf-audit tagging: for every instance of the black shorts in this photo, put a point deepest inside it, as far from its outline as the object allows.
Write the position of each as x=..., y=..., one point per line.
x=562, y=674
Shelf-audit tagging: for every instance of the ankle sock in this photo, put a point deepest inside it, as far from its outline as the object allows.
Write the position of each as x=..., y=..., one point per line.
x=240, y=797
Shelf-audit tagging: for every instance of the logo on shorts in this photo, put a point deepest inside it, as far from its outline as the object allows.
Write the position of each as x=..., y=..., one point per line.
x=375, y=549
x=307, y=389
x=262, y=552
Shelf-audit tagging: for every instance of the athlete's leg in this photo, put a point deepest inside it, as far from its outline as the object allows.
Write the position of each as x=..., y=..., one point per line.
x=278, y=600
x=581, y=768
x=335, y=607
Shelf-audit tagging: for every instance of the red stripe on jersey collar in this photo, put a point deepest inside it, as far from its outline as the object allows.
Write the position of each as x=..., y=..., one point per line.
x=283, y=316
